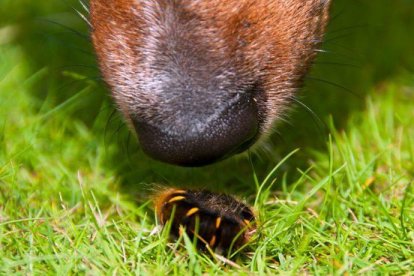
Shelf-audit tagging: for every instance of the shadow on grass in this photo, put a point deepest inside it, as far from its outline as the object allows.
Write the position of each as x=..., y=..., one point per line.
x=366, y=43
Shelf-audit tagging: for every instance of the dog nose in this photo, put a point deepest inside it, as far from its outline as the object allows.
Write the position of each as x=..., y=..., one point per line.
x=205, y=140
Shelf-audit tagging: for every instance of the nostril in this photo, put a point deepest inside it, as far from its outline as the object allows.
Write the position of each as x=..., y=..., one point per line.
x=231, y=132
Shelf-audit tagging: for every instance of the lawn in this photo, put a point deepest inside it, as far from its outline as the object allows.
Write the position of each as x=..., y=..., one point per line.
x=333, y=188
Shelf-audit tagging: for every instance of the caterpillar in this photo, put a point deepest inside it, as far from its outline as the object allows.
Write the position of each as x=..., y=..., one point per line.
x=218, y=221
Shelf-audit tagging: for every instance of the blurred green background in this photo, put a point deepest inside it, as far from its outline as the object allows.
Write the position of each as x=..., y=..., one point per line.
x=368, y=43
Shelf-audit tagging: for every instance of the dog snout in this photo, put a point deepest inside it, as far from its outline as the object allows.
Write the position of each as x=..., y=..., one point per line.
x=202, y=138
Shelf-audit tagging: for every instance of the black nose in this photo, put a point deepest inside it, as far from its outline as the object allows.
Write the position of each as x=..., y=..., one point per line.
x=211, y=139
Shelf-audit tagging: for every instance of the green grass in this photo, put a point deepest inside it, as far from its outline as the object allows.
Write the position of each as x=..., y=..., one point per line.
x=330, y=199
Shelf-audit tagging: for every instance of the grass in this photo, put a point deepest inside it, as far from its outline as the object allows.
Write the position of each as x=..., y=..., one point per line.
x=74, y=187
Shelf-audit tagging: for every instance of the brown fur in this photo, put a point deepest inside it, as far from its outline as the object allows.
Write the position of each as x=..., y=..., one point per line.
x=230, y=46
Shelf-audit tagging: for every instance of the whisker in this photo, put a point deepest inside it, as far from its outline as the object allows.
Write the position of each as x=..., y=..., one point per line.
x=63, y=26
x=118, y=130
x=70, y=47
x=329, y=40
x=83, y=17
x=334, y=85
x=84, y=6
x=337, y=54
x=344, y=29
x=128, y=149
x=335, y=17
x=321, y=125
x=112, y=115
x=337, y=64
x=91, y=67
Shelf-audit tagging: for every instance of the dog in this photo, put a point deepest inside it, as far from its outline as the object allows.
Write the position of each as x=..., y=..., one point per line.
x=202, y=80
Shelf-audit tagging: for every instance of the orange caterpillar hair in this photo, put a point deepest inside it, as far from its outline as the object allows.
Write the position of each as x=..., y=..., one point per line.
x=222, y=222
